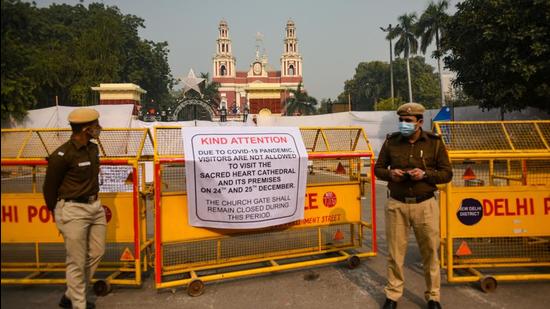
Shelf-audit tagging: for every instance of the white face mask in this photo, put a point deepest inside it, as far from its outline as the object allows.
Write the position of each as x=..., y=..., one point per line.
x=407, y=128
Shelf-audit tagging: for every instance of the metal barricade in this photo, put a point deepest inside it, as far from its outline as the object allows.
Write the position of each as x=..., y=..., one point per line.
x=496, y=210
x=334, y=228
x=33, y=251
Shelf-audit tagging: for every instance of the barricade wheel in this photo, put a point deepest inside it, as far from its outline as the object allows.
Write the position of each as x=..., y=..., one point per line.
x=102, y=287
x=195, y=288
x=488, y=284
x=353, y=261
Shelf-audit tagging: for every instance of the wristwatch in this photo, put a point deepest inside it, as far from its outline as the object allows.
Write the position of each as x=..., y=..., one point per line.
x=424, y=175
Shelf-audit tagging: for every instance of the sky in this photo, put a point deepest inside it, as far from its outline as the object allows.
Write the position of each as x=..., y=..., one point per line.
x=333, y=36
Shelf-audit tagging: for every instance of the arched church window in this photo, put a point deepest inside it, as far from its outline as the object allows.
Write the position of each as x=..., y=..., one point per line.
x=223, y=70
x=291, y=70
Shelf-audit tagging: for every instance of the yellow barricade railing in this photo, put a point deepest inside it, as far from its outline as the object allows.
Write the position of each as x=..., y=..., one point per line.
x=494, y=213
x=33, y=251
x=341, y=231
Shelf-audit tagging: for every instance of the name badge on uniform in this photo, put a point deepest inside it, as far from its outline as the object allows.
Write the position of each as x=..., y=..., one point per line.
x=84, y=163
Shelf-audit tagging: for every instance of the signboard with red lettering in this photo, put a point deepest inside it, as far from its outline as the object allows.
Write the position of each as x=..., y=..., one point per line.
x=500, y=212
x=26, y=219
x=323, y=205
x=244, y=177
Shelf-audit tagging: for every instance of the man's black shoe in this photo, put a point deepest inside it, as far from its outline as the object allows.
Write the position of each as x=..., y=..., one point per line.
x=389, y=304
x=432, y=304
x=65, y=302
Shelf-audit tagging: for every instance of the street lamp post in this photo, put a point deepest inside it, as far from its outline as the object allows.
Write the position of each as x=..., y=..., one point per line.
x=245, y=113
x=223, y=114
x=388, y=30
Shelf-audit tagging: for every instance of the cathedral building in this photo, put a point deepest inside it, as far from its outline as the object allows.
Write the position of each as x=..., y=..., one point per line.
x=260, y=87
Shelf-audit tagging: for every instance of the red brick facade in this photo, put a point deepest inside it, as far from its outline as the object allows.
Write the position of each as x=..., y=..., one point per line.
x=118, y=102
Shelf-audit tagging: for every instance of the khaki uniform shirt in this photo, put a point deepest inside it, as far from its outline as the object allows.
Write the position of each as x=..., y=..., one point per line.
x=73, y=172
x=427, y=153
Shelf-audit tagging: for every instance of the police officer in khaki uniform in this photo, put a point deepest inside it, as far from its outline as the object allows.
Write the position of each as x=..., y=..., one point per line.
x=412, y=161
x=71, y=191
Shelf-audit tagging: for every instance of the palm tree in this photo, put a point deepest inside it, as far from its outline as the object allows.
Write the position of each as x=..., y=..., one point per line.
x=407, y=43
x=299, y=101
x=430, y=25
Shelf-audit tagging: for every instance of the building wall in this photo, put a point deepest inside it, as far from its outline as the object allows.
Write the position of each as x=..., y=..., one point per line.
x=122, y=93
x=261, y=92
x=340, y=107
x=274, y=105
x=260, y=86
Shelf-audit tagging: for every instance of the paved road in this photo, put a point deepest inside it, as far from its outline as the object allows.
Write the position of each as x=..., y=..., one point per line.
x=333, y=286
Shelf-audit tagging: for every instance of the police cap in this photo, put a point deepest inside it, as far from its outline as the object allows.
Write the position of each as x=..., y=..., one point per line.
x=410, y=109
x=83, y=115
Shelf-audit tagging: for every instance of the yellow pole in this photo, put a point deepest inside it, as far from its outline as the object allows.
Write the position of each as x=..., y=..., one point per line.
x=449, y=234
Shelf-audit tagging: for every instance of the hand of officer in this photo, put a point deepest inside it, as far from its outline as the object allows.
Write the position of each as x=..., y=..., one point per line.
x=397, y=175
x=416, y=174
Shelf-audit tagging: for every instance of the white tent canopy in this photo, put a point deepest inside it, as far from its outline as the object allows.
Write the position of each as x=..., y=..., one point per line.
x=110, y=116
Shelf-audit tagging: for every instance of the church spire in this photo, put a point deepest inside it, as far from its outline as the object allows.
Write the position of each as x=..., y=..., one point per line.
x=223, y=60
x=291, y=60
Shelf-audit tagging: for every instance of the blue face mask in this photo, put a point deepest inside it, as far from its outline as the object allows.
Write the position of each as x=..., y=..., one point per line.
x=406, y=128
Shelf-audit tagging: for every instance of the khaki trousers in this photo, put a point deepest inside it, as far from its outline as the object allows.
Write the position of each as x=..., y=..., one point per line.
x=83, y=227
x=424, y=219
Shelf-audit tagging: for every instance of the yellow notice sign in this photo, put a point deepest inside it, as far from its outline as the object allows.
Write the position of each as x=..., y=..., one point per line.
x=324, y=205
x=127, y=255
x=26, y=219
x=504, y=211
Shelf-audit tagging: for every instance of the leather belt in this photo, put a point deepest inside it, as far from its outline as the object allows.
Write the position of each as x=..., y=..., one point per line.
x=413, y=200
x=83, y=199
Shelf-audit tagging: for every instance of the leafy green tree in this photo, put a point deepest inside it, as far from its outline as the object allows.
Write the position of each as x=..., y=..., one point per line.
x=17, y=86
x=500, y=51
x=407, y=43
x=56, y=54
x=300, y=103
x=388, y=104
x=370, y=84
x=432, y=25
x=424, y=85
x=367, y=86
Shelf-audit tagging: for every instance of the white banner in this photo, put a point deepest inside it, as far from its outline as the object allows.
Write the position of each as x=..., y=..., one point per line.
x=115, y=178
x=244, y=177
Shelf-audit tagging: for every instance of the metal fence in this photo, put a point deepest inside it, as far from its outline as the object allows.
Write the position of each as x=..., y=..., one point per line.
x=495, y=211
x=190, y=256
x=33, y=251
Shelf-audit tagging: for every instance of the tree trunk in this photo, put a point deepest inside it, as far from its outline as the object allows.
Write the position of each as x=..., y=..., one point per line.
x=441, y=82
x=439, y=69
x=409, y=80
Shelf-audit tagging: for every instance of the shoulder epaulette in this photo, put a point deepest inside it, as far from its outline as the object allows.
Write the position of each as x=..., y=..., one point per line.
x=60, y=151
